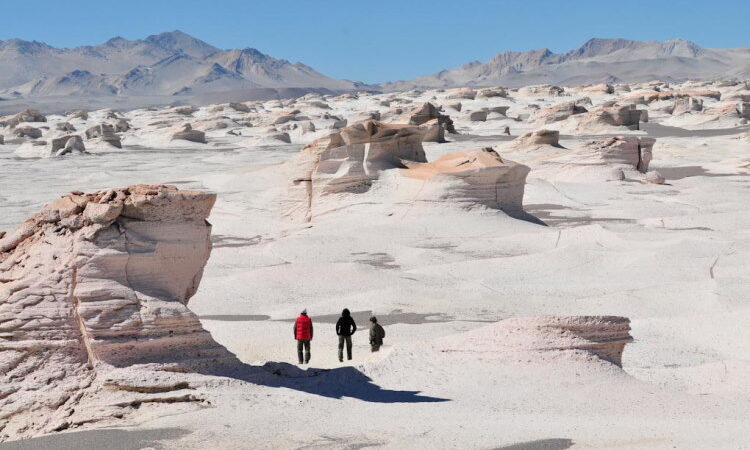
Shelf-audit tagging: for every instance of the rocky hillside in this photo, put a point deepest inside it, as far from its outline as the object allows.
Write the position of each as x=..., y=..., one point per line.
x=596, y=61
x=171, y=63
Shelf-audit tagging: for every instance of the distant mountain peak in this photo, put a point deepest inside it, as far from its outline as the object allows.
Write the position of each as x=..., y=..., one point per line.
x=595, y=60
x=179, y=41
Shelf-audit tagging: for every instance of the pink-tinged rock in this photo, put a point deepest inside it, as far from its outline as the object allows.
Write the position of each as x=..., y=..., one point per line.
x=91, y=289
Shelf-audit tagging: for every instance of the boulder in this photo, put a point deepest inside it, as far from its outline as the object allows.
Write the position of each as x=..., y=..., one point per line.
x=683, y=105
x=27, y=115
x=654, y=177
x=241, y=107
x=456, y=106
x=599, y=88
x=280, y=137
x=429, y=116
x=67, y=144
x=105, y=133
x=93, y=295
x=78, y=114
x=189, y=134
x=559, y=112
x=538, y=138
x=122, y=125
x=28, y=131
x=65, y=126
x=463, y=93
x=492, y=92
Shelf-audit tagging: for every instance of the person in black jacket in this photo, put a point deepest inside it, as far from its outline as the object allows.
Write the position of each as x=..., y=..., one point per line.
x=345, y=328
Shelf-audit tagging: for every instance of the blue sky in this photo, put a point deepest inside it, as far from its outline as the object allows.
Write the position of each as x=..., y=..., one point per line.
x=381, y=40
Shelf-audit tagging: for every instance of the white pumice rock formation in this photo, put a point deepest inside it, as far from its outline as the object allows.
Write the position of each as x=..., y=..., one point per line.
x=93, y=288
x=470, y=178
x=610, y=159
x=28, y=115
x=187, y=133
x=537, y=138
x=558, y=112
x=104, y=133
x=348, y=161
x=549, y=339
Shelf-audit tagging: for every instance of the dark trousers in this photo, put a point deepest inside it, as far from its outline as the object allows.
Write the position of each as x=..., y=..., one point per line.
x=374, y=347
x=306, y=345
x=348, y=341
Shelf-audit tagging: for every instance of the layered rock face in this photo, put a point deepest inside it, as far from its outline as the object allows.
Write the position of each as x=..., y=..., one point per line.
x=538, y=138
x=473, y=177
x=351, y=160
x=28, y=115
x=189, y=134
x=629, y=151
x=429, y=114
x=610, y=159
x=94, y=283
x=105, y=133
x=550, y=339
x=559, y=112
x=348, y=161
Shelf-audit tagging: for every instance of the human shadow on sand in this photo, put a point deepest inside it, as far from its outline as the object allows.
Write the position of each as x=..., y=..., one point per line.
x=332, y=383
x=109, y=438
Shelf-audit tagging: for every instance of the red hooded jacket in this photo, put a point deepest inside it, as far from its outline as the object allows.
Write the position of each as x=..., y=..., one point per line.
x=303, y=328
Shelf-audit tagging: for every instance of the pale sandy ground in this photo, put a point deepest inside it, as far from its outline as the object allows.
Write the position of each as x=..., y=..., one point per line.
x=673, y=258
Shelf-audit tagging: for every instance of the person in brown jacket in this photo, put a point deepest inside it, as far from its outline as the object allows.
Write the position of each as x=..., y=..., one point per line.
x=377, y=333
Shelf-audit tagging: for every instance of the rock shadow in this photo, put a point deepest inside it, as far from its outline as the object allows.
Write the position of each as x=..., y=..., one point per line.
x=541, y=444
x=678, y=173
x=546, y=212
x=331, y=383
x=109, y=438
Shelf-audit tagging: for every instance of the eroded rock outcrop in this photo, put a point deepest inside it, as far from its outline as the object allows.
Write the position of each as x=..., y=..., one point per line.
x=93, y=294
x=537, y=138
x=104, y=133
x=610, y=159
x=548, y=339
x=559, y=112
x=28, y=115
x=472, y=177
x=348, y=161
x=187, y=133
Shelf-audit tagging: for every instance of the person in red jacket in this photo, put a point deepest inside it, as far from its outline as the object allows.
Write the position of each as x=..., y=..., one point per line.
x=303, y=333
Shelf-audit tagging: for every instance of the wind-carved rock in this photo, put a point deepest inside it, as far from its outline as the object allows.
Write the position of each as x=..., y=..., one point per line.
x=105, y=133
x=187, y=133
x=351, y=160
x=428, y=116
x=537, y=139
x=93, y=295
x=558, y=112
x=348, y=161
x=471, y=178
x=610, y=159
x=548, y=339
x=28, y=115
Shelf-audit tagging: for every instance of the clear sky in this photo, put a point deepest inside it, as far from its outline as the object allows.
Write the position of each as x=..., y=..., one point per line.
x=381, y=40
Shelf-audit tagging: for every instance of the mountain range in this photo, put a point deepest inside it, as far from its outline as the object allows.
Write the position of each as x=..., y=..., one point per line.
x=178, y=66
x=172, y=63
x=596, y=61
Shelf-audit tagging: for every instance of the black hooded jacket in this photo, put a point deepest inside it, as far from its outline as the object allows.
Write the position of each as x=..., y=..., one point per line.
x=345, y=326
